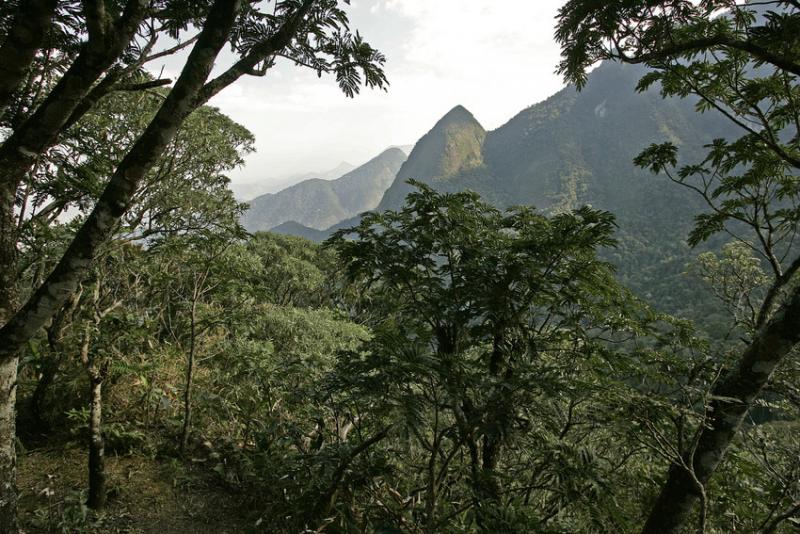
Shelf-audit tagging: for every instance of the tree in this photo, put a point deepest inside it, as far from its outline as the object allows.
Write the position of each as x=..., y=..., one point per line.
x=196, y=267
x=491, y=320
x=313, y=33
x=185, y=192
x=741, y=60
x=111, y=286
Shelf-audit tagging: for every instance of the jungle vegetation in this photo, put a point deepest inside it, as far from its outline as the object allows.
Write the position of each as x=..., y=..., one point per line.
x=443, y=365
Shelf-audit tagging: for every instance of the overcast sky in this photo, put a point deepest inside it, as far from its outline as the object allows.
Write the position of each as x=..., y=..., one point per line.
x=495, y=57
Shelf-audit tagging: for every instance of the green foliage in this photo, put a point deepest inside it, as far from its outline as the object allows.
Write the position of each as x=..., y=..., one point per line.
x=451, y=365
x=736, y=278
x=495, y=328
x=293, y=271
x=739, y=60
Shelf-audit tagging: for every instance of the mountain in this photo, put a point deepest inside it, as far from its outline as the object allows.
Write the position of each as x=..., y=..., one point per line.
x=577, y=148
x=405, y=148
x=248, y=190
x=318, y=204
x=296, y=229
x=452, y=146
x=332, y=174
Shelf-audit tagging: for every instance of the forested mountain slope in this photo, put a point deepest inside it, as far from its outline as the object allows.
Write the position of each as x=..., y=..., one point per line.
x=453, y=146
x=577, y=148
x=321, y=203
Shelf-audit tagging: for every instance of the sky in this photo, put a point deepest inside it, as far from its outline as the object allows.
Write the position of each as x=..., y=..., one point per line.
x=494, y=57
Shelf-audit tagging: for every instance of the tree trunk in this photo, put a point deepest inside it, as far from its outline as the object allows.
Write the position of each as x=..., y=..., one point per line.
x=8, y=367
x=432, y=490
x=496, y=420
x=8, y=456
x=8, y=253
x=97, y=469
x=33, y=19
x=96, y=372
x=49, y=370
x=52, y=363
x=734, y=395
x=119, y=192
x=491, y=453
x=187, y=391
x=327, y=499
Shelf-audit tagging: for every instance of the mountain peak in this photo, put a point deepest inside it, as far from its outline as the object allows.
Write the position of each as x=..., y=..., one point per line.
x=393, y=150
x=453, y=145
x=457, y=116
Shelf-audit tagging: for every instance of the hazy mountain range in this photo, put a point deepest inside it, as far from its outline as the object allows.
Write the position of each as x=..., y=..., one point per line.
x=572, y=149
x=318, y=203
x=253, y=188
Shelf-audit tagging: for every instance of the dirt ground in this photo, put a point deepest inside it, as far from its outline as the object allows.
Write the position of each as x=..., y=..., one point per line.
x=145, y=496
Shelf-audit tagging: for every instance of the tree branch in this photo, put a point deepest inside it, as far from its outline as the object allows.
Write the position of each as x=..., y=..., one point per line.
x=117, y=196
x=258, y=53
x=42, y=128
x=142, y=86
x=715, y=41
x=27, y=33
x=733, y=397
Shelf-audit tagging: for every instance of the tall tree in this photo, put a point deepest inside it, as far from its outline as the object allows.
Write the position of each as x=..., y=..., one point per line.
x=743, y=61
x=487, y=314
x=312, y=33
x=186, y=192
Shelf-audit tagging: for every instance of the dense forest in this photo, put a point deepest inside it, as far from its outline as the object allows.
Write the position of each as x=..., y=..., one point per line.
x=457, y=359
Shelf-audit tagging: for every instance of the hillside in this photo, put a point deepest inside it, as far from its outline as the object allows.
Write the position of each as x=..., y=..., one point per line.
x=318, y=203
x=249, y=190
x=453, y=145
x=577, y=148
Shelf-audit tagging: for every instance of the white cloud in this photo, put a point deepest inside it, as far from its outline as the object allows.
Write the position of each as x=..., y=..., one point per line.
x=495, y=58
x=500, y=55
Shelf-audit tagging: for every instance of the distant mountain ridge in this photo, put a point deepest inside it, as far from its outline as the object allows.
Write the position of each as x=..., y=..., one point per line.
x=245, y=191
x=574, y=149
x=318, y=204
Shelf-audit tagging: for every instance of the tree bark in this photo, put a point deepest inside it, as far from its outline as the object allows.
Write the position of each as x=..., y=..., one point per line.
x=8, y=253
x=96, y=371
x=97, y=469
x=31, y=23
x=119, y=192
x=187, y=391
x=8, y=456
x=8, y=381
x=733, y=397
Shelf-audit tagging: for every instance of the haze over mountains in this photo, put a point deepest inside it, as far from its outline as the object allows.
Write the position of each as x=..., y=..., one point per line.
x=569, y=150
x=251, y=189
x=319, y=203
